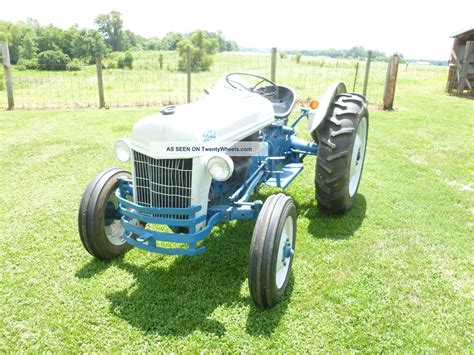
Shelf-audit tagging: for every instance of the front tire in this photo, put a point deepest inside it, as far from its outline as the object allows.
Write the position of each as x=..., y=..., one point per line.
x=100, y=229
x=342, y=142
x=271, y=250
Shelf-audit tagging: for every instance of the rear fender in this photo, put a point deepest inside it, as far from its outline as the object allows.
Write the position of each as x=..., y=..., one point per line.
x=318, y=115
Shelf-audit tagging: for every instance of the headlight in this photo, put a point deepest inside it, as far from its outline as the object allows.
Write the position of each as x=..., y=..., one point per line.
x=220, y=167
x=122, y=150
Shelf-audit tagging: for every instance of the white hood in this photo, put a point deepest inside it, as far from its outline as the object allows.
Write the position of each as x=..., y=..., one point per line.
x=225, y=115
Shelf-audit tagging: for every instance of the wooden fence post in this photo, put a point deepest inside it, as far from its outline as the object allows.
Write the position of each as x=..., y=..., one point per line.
x=7, y=69
x=188, y=71
x=355, y=77
x=367, y=71
x=391, y=82
x=273, y=64
x=100, y=82
x=463, y=69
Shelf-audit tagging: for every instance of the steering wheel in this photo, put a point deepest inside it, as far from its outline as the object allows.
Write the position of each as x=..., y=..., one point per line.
x=266, y=91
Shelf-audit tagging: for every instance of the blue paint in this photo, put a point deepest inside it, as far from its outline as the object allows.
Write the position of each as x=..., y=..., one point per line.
x=190, y=222
x=304, y=113
x=147, y=235
x=300, y=145
x=227, y=202
x=288, y=251
x=239, y=211
x=284, y=177
x=208, y=136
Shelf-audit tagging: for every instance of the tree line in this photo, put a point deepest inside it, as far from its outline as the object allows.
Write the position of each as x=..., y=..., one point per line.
x=359, y=53
x=50, y=47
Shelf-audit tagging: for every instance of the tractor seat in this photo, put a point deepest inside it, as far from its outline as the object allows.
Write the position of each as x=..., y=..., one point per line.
x=283, y=102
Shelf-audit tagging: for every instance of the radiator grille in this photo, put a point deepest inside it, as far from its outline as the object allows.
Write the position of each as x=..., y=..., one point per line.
x=163, y=182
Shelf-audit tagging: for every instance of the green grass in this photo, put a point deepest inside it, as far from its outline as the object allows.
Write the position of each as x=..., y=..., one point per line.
x=394, y=274
x=147, y=85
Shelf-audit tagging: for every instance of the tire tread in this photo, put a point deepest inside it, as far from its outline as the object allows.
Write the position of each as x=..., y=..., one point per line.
x=333, y=162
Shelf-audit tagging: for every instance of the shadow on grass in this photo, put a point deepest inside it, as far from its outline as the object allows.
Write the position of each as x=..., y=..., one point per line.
x=180, y=299
x=335, y=227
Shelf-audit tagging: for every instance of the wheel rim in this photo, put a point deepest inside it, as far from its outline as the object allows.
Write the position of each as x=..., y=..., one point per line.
x=113, y=228
x=285, y=252
x=358, y=155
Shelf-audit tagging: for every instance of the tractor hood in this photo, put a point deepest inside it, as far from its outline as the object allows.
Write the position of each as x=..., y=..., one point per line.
x=224, y=116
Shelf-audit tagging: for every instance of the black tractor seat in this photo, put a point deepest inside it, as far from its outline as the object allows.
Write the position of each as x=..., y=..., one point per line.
x=283, y=102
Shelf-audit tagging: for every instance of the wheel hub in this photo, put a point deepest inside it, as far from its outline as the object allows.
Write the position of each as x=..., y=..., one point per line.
x=358, y=157
x=285, y=252
x=111, y=213
x=113, y=228
x=288, y=251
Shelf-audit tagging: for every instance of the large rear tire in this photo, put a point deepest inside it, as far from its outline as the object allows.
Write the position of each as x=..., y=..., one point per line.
x=100, y=228
x=271, y=250
x=342, y=139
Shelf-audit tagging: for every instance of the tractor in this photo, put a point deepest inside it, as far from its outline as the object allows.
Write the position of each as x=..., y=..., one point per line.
x=198, y=164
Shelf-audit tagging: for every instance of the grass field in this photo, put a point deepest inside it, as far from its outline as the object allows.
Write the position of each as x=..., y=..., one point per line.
x=148, y=85
x=394, y=274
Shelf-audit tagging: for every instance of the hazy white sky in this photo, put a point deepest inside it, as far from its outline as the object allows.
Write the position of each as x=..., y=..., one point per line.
x=418, y=29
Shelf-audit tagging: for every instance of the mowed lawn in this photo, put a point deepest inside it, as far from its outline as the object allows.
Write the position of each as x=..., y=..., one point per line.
x=394, y=274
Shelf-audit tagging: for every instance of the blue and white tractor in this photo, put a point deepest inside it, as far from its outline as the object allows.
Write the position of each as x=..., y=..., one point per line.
x=196, y=165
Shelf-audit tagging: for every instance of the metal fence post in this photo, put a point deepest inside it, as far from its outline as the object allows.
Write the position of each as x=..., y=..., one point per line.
x=391, y=82
x=100, y=82
x=188, y=71
x=7, y=69
x=273, y=65
x=355, y=77
x=367, y=71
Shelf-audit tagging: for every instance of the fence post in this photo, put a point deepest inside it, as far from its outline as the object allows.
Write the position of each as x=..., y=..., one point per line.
x=7, y=69
x=188, y=71
x=355, y=77
x=273, y=65
x=367, y=71
x=391, y=82
x=100, y=82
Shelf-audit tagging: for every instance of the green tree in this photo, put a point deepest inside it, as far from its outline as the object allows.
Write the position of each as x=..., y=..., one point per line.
x=125, y=61
x=153, y=44
x=5, y=35
x=69, y=39
x=28, y=47
x=232, y=46
x=132, y=41
x=202, y=47
x=49, y=38
x=170, y=41
x=111, y=26
x=160, y=61
x=13, y=34
x=53, y=60
x=87, y=44
x=223, y=44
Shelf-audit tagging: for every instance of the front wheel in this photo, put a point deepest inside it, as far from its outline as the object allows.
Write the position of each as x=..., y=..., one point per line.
x=342, y=139
x=100, y=228
x=271, y=250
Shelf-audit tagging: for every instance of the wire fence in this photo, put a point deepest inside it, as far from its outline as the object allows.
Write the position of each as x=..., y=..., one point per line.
x=156, y=81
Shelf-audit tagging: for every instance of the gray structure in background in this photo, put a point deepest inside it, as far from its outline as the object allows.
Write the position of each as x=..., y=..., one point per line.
x=461, y=63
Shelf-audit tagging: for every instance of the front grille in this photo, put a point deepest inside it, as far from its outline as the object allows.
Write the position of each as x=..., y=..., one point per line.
x=163, y=183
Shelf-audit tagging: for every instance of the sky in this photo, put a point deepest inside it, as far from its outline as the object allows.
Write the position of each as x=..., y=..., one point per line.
x=417, y=29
